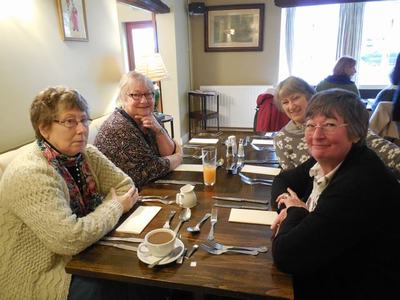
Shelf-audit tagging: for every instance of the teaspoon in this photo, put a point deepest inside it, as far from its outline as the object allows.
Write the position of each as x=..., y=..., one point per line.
x=196, y=228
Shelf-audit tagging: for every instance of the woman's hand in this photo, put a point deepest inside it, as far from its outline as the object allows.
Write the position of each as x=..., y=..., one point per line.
x=278, y=221
x=128, y=199
x=150, y=122
x=290, y=199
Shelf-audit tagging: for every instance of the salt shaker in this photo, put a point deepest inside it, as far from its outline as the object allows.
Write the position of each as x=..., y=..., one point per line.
x=229, y=148
x=241, y=149
x=232, y=139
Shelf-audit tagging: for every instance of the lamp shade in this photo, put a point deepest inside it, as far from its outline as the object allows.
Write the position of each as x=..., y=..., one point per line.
x=152, y=66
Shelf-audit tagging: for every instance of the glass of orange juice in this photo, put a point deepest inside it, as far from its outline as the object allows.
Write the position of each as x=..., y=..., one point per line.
x=209, y=157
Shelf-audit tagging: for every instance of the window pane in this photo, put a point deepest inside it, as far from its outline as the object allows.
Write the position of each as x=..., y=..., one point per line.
x=381, y=42
x=143, y=41
x=314, y=44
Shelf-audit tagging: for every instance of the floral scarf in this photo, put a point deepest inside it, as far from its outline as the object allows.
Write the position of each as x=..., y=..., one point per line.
x=83, y=198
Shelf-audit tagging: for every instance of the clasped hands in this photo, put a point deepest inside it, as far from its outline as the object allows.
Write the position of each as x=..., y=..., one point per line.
x=289, y=199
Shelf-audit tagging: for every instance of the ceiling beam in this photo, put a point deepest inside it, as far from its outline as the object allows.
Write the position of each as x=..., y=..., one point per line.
x=155, y=6
x=294, y=3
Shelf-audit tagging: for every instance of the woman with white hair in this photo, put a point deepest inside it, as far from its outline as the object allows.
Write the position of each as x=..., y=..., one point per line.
x=133, y=139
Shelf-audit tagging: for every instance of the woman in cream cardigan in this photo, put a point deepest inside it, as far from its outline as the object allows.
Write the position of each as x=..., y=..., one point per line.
x=57, y=199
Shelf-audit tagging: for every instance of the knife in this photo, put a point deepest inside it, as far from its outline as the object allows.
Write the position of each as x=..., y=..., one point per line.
x=123, y=239
x=241, y=199
x=255, y=161
x=242, y=206
x=168, y=181
x=120, y=246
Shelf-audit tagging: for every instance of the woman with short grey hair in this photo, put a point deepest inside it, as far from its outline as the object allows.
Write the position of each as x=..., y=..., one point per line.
x=323, y=235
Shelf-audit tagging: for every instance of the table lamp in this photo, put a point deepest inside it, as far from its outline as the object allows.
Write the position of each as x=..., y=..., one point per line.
x=153, y=67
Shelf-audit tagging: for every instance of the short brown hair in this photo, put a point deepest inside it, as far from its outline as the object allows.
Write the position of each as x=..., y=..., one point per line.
x=50, y=101
x=292, y=85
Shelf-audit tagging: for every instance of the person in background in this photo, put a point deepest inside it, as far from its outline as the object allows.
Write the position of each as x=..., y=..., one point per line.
x=337, y=232
x=387, y=94
x=292, y=97
x=396, y=106
x=56, y=199
x=132, y=137
x=344, y=70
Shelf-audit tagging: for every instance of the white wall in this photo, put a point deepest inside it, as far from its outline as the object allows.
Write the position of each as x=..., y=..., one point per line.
x=34, y=56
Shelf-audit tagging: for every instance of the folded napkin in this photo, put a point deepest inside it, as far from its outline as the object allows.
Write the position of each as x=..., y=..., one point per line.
x=252, y=216
x=270, y=134
x=139, y=219
x=190, y=168
x=262, y=142
x=260, y=170
x=203, y=141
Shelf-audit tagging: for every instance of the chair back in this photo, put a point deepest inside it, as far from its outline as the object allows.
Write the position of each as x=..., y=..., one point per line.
x=267, y=117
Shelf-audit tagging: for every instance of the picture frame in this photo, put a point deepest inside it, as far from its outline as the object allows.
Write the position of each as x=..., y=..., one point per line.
x=234, y=28
x=72, y=15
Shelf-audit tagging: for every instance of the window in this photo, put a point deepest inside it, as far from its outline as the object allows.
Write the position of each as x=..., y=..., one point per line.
x=312, y=48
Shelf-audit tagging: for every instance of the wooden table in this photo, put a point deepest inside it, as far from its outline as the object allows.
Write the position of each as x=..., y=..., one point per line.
x=232, y=275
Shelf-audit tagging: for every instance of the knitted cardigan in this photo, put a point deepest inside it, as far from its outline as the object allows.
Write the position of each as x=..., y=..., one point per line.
x=291, y=148
x=38, y=232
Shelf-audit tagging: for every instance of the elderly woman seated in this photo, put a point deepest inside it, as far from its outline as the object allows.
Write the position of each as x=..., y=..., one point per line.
x=132, y=137
x=337, y=232
x=57, y=199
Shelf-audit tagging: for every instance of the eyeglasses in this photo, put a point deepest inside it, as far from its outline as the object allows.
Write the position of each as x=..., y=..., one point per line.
x=139, y=96
x=326, y=127
x=72, y=123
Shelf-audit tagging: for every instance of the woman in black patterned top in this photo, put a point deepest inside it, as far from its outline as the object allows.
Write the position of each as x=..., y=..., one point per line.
x=133, y=139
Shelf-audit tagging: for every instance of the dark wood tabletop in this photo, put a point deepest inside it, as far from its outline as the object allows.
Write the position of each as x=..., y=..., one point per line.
x=232, y=275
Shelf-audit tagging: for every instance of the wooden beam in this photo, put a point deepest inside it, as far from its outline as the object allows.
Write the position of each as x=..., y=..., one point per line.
x=155, y=6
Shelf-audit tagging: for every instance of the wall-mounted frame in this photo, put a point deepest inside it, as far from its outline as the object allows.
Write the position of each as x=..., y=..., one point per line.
x=72, y=16
x=234, y=28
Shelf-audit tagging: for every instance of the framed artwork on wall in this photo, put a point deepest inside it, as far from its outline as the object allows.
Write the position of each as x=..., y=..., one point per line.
x=73, y=20
x=234, y=28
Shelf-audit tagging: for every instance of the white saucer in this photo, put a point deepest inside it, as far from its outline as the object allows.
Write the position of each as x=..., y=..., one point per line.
x=150, y=259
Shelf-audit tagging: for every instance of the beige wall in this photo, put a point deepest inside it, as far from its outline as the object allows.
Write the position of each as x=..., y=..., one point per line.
x=237, y=68
x=34, y=56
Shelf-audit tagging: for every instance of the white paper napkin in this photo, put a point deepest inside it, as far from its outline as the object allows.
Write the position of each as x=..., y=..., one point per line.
x=252, y=216
x=260, y=170
x=203, y=141
x=139, y=219
x=189, y=167
x=262, y=142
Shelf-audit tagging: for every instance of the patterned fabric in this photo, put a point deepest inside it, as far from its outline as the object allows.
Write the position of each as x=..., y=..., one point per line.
x=84, y=198
x=291, y=148
x=38, y=231
x=135, y=152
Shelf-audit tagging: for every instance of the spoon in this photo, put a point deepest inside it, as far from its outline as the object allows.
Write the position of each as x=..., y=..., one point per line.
x=183, y=217
x=196, y=228
x=171, y=254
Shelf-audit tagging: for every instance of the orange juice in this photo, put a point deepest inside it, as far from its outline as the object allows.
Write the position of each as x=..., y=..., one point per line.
x=209, y=174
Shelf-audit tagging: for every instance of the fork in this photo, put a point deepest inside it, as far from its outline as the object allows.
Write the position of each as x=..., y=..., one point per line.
x=219, y=246
x=213, y=220
x=249, y=180
x=221, y=251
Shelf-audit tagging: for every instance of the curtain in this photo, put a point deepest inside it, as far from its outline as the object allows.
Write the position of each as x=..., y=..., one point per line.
x=350, y=30
x=289, y=37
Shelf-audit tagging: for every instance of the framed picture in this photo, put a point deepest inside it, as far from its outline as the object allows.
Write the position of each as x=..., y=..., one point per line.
x=73, y=20
x=234, y=28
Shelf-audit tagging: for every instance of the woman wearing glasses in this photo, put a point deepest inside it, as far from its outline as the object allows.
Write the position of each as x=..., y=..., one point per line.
x=132, y=137
x=337, y=232
x=292, y=97
x=57, y=199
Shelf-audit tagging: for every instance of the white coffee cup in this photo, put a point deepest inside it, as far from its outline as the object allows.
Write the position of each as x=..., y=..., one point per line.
x=187, y=197
x=158, y=242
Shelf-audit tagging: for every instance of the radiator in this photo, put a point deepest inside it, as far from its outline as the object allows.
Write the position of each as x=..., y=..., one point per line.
x=237, y=104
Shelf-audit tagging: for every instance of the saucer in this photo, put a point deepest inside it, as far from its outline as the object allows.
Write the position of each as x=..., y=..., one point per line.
x=150, y=259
